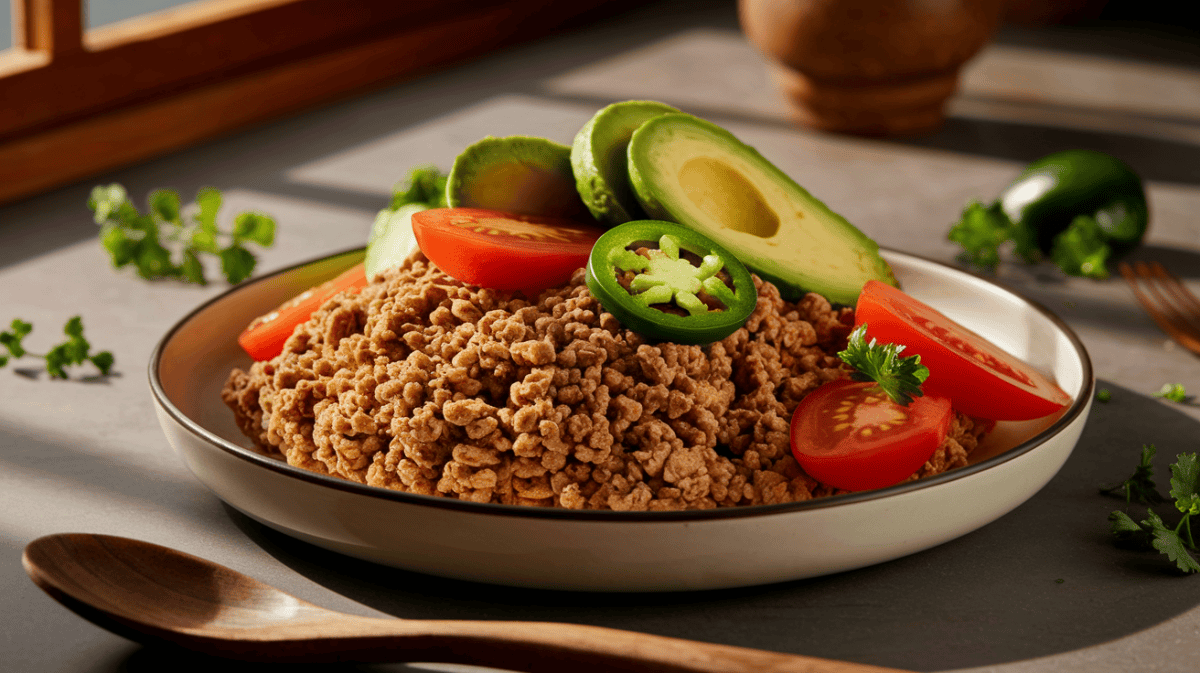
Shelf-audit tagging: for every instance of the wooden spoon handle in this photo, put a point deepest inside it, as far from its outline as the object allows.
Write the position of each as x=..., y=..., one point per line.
x=551, y=647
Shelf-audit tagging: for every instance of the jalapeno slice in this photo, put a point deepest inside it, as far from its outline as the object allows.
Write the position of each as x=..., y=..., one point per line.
x=669, y=282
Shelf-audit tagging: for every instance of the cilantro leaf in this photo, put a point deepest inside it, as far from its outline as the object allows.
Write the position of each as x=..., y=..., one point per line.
x=72, y=351
x=11, y=338
x=981, y=231
x=209, y=201
x=152, y=242
x=1172, y=391
x=254, y=227
x=192, y=269
x=1168, y=542
x=1184, y=473
x=1081, y=250
x=103, y=361
x=899, y=377
x=236, y=263
x=106, y=202
x=164, y=204
x=426, y=185
x=1139, y=487
x=1123, y=524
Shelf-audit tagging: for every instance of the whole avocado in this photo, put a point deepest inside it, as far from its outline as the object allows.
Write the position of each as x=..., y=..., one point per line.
x=1054, y=190
x=1079, y=207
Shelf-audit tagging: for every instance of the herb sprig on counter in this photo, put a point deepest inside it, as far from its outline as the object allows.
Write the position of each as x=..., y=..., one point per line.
x=1176, y=543
x=137, y=239
x=1140, y=486
x=1174, y=392
x=75, y=350
x=899, y=377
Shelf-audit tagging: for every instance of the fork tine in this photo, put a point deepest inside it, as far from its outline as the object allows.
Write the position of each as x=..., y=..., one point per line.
x=1183, y=298
x=1162, y=309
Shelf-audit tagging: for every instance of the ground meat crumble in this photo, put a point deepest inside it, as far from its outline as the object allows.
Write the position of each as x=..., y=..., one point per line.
x=422, y=384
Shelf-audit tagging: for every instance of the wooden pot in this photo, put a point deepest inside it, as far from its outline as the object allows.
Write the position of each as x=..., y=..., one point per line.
x=869, y=67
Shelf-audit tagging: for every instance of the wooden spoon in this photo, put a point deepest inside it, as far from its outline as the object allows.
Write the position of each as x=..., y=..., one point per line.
x=150, y=593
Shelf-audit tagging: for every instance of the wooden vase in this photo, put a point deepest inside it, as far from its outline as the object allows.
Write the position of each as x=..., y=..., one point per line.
x=869, y=67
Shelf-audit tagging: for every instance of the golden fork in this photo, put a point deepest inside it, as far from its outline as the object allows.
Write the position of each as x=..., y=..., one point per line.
x=1173, y=307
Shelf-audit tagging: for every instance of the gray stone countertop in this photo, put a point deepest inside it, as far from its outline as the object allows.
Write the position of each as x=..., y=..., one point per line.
x=1042, y=589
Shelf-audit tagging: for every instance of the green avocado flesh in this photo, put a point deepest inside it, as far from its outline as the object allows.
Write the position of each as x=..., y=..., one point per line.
x=686, y=170
x=516, y=174
x=599, y=160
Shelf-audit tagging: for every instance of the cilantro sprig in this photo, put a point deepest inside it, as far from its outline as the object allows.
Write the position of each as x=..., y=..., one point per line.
x=75, y=350
x=899, y=377
x=1174, y=392
x=1177, y=542
x=1140, y=486
x=426, y=185
x=168, y=240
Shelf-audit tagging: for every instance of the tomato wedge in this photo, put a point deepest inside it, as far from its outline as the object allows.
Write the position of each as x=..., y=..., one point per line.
x=980, y=378
x=504, y=251
x=263, y=339
x=852, y=436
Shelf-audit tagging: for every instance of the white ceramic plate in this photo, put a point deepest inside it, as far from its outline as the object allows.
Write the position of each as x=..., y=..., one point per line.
x=619, y=551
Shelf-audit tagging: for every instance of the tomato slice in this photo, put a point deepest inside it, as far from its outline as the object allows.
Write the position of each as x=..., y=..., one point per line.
x=503, y=251
x=263, y=339
x=852, y=436
x=982, y=379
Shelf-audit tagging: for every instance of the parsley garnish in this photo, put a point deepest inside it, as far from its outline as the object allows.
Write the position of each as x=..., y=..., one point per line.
x=1103, y=395
x=1172, y=391
x=1176, y=543
x=426, y=185
x=1081, y=250
x=899, y=377
x=133, y=238
x=73, y=351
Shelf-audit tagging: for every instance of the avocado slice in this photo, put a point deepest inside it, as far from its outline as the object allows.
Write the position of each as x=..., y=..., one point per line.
x=516, y=174
x=598, y=158
x=392, y=240
x=693, y=172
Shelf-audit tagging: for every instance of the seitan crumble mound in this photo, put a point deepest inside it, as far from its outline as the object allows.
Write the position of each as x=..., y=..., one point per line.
x=423, y=384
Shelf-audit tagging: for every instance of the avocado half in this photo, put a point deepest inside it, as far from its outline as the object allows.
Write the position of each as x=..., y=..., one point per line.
x=525, y=175
x=693, y=172
x=600, y=163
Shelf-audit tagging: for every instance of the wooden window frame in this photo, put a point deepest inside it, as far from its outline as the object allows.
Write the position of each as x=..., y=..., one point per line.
x=74, y=103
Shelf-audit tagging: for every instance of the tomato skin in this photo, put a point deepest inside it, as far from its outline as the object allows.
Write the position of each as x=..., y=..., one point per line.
x=849, y=435
x=983, y=380
x=264, y=337
x=504, y=251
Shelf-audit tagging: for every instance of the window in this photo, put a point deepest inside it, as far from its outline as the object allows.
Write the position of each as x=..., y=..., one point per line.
x=76, y=102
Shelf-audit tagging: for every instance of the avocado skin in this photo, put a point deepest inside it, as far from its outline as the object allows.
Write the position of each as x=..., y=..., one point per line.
x=554, y=196
x=793, y=283
x=598, y=160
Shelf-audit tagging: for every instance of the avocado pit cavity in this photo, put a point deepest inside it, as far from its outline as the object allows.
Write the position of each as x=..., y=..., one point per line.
x=727, y=196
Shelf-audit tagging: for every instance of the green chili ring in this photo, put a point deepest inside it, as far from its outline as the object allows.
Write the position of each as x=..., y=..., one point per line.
x=665, y=278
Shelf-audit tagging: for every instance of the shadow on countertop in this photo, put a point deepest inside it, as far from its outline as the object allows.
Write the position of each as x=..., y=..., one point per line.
x=1041, y=580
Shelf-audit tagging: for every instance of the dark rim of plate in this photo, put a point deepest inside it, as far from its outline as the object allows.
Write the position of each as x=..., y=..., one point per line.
x=494, y=509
